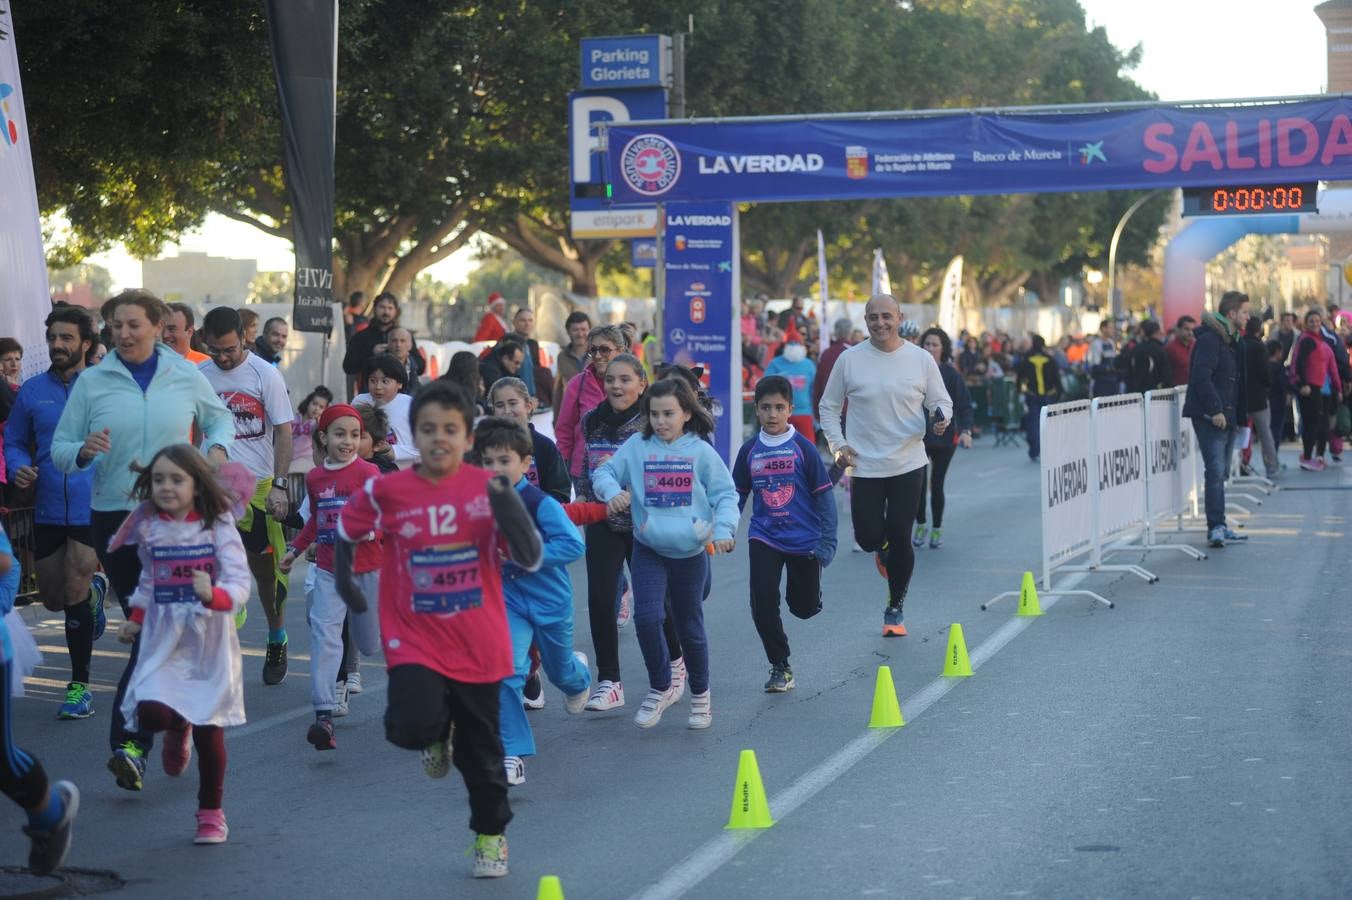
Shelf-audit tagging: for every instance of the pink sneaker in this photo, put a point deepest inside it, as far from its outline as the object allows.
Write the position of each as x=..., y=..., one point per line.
x=177, y=751
x=1308, y=465
x=1319, y=464
x=211, y=827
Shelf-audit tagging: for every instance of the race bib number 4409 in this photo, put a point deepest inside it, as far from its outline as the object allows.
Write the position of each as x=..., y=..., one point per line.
x=667, y=483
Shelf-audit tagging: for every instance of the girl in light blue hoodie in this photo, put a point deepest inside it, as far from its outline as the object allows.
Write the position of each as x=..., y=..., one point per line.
x=682, y=499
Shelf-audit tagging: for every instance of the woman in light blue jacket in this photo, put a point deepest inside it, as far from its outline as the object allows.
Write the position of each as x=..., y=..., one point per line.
x=140, y=399
x=682, y=499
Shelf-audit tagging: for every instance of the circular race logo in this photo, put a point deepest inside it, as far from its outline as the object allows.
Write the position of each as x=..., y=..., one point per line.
x=650, y=164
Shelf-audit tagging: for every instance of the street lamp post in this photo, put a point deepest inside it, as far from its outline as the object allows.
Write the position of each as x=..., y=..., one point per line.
x=1115, y=302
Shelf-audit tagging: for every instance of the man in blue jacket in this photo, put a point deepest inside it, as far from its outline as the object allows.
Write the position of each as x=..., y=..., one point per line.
x=1216, y=403
x=63, y=547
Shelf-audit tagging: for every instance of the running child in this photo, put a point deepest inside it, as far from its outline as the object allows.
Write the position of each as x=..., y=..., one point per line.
x=442, y=525
x=51, y=808
x=539, y=603
x=793, y=521
x=682, y=499
x=328, y=486
x=187, y=681
x=548, y=472
x=385, y=380
x=611, y=543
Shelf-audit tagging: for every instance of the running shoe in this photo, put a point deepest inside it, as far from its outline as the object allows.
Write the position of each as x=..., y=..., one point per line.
x=340, y=707
x=50, y=846
x=436, y=759
x=678, y=677
x=626, y=611
x=892, y=625
x=1216, y=537
x=98, y=589
x=211, y=827
x=855, y=548
x=176, y=752
x=533, y=692
x=516, y=770
x=274, y=664
x=701, y=711
x=781, y=680
x=656, y=703
x=1336, y=457
x=1232, y=537
x=321, y=735
x=241, y=617
x=128, y=765
x=880, y=560
x=936, y=538
x=354, y=682
x=490, y=855
x=79, y=702
x=574, y=703
x=1308, y=464
x=605, y=696
x=1319, y=464
x=918, y=535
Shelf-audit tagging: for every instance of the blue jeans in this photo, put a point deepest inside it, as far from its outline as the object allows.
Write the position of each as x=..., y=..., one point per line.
x=681, y=582
x=1217, y=446
x=548, y=622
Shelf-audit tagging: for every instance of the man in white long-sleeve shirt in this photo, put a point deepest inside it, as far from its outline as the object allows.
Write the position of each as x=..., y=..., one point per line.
x=893, y=388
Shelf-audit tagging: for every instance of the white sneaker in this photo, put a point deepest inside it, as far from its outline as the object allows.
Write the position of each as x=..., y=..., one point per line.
x=516, y=770
x=575, y=702
x=436, y=759
x=678, y=678
x=606, y=695
x=650, y=712
x=354, y=682
x=701, y=711
x=340, y=705
x=626, y=608
x=533, y=692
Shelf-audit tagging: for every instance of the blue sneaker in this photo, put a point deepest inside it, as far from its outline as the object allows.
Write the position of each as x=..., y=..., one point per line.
x=79, y=702
x=1215, y=538
x=1233, y=536
x=98, y=590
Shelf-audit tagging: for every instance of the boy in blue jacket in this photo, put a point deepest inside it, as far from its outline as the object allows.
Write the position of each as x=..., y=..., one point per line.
x=793, y=522
x=539, y=602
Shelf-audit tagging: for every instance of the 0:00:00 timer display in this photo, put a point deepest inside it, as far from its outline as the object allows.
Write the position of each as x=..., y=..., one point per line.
x=1258, y=199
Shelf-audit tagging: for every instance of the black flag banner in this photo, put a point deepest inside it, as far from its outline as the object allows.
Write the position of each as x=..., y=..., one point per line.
x=304, y=37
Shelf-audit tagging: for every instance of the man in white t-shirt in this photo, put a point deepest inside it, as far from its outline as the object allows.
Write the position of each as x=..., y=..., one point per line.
x=254, y=391
x=895, y=393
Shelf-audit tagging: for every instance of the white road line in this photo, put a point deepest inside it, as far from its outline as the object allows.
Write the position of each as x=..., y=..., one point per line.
x=683, y=877
x=369, y=686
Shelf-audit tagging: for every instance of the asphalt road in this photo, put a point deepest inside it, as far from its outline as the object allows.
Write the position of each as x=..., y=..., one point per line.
x=1191, y=742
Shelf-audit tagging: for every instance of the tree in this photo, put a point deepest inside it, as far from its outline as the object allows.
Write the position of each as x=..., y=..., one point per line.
x=270, y=287
x=99, y=279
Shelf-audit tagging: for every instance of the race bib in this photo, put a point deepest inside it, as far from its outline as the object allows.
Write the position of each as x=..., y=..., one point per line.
x=326, y=521
x=667, y=483
x=773, y=467
x=533, y=475
x=445, y=580
x=173, y=568
x=598, y=453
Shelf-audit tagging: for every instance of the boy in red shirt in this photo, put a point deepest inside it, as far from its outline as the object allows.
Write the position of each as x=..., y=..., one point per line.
x=443, y=622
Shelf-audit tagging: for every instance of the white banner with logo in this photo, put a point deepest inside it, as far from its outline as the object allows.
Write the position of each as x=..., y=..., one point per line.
x=24, y=297
x=949, y=295
x=1189, y=460
x=1067, y=483
x=1163, y=454
x=1119, y=430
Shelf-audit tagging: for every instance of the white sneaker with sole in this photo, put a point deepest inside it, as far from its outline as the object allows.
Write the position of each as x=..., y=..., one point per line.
x=605, y=696
x=575, y=702
x=650, y=712
x=516, y=770
x=354, y=682
x=626, y=611
x=340, y=708
x=701, y=711
x=678, y=677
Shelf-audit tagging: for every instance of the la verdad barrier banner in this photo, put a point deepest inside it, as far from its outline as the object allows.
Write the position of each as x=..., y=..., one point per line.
x=943, y=154
x=1164, y=446
x=1119, y=439
x=24, y=297
x=1068, y=483
x=304, y=36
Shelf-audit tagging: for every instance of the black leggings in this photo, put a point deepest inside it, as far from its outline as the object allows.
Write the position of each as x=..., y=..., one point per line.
x=1314, y=423
x=607, y=552
x=883, y=511
x=940, y=458
x=21, y=776
x=123, y=568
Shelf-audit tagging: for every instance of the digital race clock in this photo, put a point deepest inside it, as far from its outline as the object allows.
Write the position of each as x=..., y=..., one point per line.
x=1248, y=200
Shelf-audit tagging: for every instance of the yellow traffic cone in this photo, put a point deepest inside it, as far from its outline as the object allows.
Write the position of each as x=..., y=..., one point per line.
x=550, y=888
x=886, y=709
x=1028, y=605
x=750, y=808
x=956, y=664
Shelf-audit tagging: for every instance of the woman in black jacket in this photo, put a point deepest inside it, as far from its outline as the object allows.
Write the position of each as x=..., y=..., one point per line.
x=941, y=447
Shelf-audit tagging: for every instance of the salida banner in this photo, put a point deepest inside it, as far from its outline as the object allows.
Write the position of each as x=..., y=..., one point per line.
x=1165, y=145
x=700, y=305
x=304, y=35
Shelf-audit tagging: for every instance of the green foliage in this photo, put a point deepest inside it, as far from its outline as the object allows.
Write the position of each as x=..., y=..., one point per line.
x=99, y=279
x=507, y=273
